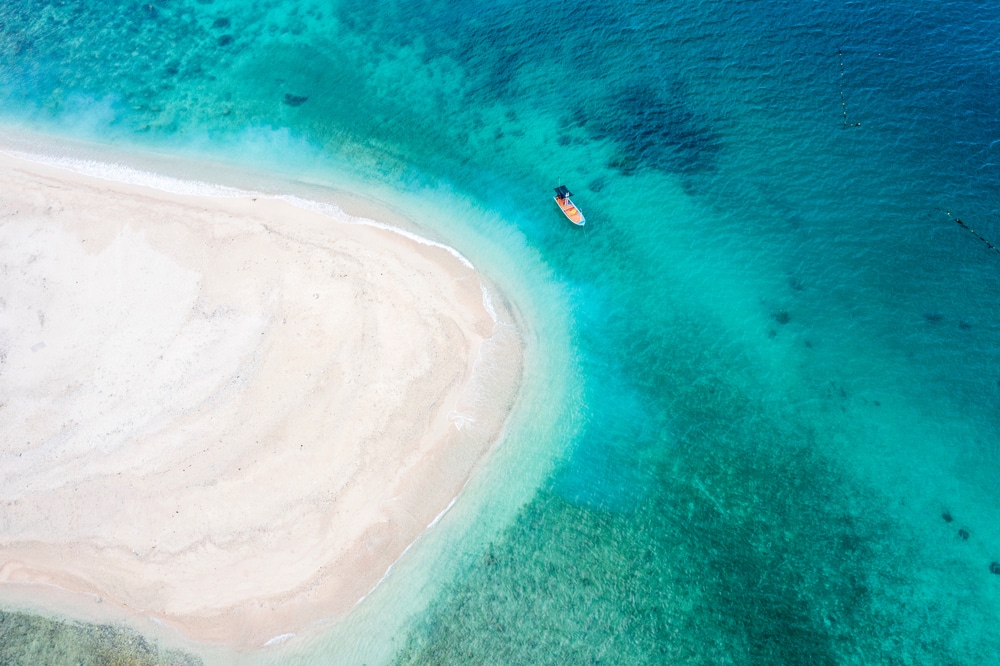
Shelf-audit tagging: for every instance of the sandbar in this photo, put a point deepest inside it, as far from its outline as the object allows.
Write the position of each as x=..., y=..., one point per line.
x=228, y=414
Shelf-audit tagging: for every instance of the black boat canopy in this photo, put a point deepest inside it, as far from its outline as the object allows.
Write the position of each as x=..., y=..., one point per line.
x=562, y=192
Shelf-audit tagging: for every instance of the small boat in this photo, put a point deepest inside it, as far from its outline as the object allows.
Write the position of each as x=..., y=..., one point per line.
x=567, y=207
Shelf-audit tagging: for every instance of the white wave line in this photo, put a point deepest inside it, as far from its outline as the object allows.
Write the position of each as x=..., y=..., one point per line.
x=332, y=210
x=488, y=306
x=392, y=566
x=281, y=638
x=122, y=173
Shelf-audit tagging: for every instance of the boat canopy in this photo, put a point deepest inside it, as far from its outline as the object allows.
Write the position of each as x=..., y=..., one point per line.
x=562, y=192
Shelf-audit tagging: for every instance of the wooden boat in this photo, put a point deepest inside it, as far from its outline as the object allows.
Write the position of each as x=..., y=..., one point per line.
x=567, y=207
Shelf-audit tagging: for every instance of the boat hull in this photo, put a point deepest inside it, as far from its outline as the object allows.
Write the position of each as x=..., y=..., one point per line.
x=571, y=212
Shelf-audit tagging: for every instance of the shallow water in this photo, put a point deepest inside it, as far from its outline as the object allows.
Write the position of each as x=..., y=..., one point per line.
x=781, y=362
x=34, y=639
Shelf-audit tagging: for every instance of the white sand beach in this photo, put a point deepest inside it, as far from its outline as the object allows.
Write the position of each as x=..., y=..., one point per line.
x=227, y=415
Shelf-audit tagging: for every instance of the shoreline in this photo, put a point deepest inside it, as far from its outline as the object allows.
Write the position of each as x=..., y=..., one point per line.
x=231, y=580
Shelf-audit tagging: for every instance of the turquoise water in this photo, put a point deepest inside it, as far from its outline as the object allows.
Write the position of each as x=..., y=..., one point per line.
x=782, y=362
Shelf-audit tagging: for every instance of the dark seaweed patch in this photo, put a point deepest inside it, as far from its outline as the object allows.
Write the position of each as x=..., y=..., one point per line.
x=295, y=100
x=221, y=22
x=745, y=545
x=655, y=129
x=31, y=639
x=225, y=40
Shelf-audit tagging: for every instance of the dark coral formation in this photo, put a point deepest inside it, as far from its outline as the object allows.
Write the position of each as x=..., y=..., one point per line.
x=34, y=639
x=295, y=100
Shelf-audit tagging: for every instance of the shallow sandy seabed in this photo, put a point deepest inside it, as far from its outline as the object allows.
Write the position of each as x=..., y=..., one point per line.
x=230, y=415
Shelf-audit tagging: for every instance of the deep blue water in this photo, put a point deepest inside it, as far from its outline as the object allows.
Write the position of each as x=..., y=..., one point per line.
x=788, y=346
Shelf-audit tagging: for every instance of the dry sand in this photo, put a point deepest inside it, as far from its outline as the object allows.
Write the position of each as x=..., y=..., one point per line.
x=225, y=414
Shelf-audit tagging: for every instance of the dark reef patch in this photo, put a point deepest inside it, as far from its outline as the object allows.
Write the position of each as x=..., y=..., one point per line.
x=295, y=100
x=701, y=571
x=653, y=128
x=32, y=639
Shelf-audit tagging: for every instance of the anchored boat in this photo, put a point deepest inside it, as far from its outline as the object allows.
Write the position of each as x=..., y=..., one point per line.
x=567, y=207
